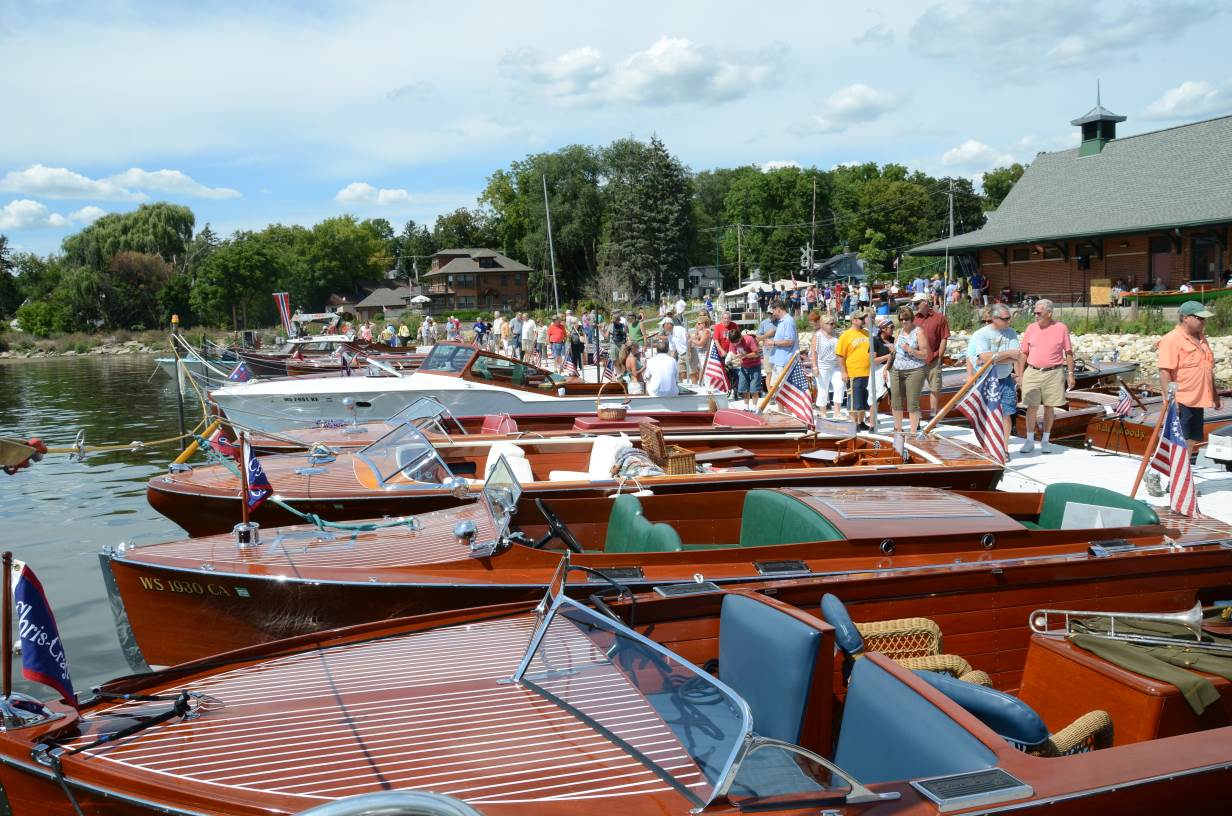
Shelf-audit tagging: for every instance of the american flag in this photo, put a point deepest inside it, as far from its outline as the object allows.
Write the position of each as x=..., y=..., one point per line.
x=1172, y=459
x=239, y=373
x=609, y=372
x=793, y=394
x=1124, y=403
x=982, y=408
x=284, y=310
x=259, y=487
x=570, y=369
x=715, y=373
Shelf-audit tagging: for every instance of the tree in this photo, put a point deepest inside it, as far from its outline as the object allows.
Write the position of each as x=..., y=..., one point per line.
x=10, y=294
x=462, y=229
x=162, y=229
x=131, y=290
x=999, y=181
x=781, y=201
x=413, y=247
x=241, y=272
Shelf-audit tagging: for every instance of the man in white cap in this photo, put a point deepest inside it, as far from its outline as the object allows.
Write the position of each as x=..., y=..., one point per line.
x=677, y=339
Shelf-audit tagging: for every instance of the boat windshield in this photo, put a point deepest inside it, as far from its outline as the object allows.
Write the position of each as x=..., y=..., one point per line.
x=429, y=416
x=405, y=454
x=447, y=358
x=502, y=491
x=661, y=710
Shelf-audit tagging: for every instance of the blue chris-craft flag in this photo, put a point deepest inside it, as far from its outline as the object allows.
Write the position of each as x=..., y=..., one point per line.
x=42, y=652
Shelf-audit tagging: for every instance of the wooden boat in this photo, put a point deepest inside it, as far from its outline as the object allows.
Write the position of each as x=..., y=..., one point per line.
x=401, y=358
x=1130, y=434
x=183, y=600
x=404, y=472
x=1085, y=405
x=1202, y=292
x=562, y=708
x=466, y=380
x=437, y=422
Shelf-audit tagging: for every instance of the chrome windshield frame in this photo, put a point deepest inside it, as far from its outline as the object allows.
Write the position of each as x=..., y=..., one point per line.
x=556, y=602
x=413, y=433
x=427, y=414
x=502, y=511
x=753, y=742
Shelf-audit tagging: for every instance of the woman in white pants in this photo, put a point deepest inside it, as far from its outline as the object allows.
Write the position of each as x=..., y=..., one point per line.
x=826, y=365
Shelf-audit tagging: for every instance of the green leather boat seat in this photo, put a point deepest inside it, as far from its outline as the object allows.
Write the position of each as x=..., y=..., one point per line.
x=625, y=508
x=1060, y=494
x=770, y=517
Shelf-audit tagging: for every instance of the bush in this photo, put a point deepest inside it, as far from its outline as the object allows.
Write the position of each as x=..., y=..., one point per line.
x=1221, y=323
x=41, y=319
x=962, y=316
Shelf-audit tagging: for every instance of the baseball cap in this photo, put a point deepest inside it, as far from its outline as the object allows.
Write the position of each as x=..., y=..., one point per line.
x=1192, y=308
x=918, y=297
x=859, y=313
x=885, y=320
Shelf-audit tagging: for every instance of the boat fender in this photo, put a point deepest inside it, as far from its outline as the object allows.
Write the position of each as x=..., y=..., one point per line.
x=36, y=456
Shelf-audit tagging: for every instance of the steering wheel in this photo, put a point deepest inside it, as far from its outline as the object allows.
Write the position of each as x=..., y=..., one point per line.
x=556, y=529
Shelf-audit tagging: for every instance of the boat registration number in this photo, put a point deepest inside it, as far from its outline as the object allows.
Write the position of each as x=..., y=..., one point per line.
x=190, y=587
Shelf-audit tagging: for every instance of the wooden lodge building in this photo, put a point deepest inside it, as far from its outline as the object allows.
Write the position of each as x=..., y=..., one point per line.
x=475, y=279
x=1154, y=210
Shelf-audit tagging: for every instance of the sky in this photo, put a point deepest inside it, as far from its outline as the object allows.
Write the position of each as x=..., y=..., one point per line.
x=275, y=112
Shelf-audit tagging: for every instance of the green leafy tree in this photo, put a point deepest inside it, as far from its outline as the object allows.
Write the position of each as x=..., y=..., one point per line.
x=463, y=229
x=779, y=203
x=874, y=253
x=132, y=288
x=999, y=181
x=10, y=294
x=162, y=229
x=413, y=247
x=240, y=272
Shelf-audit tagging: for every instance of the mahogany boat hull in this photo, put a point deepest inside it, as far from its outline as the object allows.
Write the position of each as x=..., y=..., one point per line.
x=203, y=514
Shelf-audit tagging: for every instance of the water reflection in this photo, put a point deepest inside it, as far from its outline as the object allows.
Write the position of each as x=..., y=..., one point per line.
x=58, y=514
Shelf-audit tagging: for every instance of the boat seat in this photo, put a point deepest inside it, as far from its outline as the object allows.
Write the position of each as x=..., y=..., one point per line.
x=770, y=517
x=1019, y=725
x=643, y=536
x=603, y=453
x=625, y=507
x=724, y=456
x=914, y=643
x=890, y=731
x=754, y=635
x=499, y=424
x=1058, y=496
x=507, y=449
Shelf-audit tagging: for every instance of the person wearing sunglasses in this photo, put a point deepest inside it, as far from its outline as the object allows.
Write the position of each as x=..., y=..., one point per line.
x=1186, y=360
x=1045, y=369
x=999, y=343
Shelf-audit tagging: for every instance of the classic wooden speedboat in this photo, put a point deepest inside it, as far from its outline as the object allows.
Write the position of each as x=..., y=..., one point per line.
x=562, y=708
x=1174, y=297
x=1084, y=406
x=466, y=380
x=1130, y=434
x=405, y=472
x=342, y=435
x=184, y=599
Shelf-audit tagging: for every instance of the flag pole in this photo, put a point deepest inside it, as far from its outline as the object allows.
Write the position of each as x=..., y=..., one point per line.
x=244, y=477
x=8, y=625
x=1149, y=453
x=774, y=389
x=962, y=392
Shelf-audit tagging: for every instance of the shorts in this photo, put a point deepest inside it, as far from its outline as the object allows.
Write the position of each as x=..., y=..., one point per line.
x=1009, y=396
x=1192, y=422
x=749, y=381
x=858, y=399
x=1044, y=387
x=906, y=384
x=558, y=349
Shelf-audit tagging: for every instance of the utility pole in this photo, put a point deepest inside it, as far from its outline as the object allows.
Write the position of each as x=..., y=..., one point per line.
x=739, y=256
x=949, y=262
x=551, y=250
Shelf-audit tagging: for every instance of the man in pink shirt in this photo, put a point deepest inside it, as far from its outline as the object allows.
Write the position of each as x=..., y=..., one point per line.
x=1045, y=369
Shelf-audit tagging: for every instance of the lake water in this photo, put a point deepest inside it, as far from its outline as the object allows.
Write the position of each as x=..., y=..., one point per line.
x=58, y=514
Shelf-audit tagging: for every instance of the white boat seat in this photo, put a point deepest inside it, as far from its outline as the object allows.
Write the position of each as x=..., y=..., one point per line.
x=507, y=449
x=603, y=453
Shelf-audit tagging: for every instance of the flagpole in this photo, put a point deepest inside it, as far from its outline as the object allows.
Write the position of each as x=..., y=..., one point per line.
x=1149, y=453
x=244, y=477
x=774, y=389
x=8, y=625
x=962, y=392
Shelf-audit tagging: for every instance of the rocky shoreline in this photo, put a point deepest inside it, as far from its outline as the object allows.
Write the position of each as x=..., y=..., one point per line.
x=106, y=349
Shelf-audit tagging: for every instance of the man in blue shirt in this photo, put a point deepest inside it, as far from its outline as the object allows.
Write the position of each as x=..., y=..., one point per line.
x=481, y=330
x=998, y=342
x=786, y=341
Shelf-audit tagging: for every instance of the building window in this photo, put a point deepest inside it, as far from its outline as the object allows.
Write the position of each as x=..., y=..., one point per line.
x=517, y=279
x=504, y=280
x=1020, y=254
x=1051, y=253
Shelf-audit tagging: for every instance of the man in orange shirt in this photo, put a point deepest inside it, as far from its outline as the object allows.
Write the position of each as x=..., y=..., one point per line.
x=1186, y=360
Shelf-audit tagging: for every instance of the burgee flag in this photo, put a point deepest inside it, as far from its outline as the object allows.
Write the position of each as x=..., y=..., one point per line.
x=42, y=652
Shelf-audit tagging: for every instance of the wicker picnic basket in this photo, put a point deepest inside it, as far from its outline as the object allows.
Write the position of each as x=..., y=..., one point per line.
x=675, y=460
x=612, y=412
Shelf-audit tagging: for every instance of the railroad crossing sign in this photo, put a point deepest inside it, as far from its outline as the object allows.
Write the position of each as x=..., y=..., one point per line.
x=806, y=257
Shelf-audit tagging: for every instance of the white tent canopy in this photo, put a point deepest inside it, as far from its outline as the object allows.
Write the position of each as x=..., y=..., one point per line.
x=421, y=299
x=788, y=283
x=751, y=286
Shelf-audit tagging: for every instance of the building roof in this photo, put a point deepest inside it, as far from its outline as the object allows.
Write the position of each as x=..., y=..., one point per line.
x=1176, y=177
x=463, y=262
x=385, y=297
x=1098, y=114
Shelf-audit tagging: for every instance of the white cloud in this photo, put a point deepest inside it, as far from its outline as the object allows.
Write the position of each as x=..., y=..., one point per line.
x=878, y=35
x=673, y=70
x=1017, y=37
x=778, y=164
x=169, y=181
x=60, y=182
x=974, y=155
x=360, y=192
x=23, y=213
x=851, y=105
x=1191, y=100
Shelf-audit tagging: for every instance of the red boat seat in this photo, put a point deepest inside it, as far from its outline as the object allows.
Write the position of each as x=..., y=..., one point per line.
x=499, y=424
